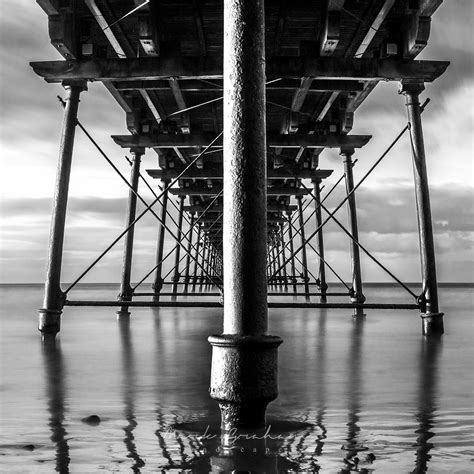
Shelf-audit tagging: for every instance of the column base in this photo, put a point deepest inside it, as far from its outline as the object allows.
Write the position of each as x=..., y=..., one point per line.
x=432, y=323
x=49, y=321
x=244, y=378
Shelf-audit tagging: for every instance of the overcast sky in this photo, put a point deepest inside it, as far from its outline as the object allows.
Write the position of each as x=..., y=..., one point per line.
x=29, y=134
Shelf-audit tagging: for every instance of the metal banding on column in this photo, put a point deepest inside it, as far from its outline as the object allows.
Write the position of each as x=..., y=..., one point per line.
x=431, y=316
x=244, y=359
x=50, y=315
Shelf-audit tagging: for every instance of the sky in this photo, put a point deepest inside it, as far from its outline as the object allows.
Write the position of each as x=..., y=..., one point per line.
x=29, y=138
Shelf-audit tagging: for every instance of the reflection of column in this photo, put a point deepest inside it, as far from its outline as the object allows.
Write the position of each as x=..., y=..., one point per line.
x=354, y=393
x=128, y=384
x=126, y=291
x=432, y=318
x=50, y=314
x=158, y=283
x=427, y=389
x=244, y=358
x=357, y=296
x=56, y=393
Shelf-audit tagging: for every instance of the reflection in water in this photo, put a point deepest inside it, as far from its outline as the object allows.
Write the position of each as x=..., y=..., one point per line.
x=354, y=391
x=55, y=392
x=428, y=380
x=129, y=384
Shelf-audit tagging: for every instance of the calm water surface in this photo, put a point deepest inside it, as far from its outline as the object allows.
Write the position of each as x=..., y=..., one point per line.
x=347, y=391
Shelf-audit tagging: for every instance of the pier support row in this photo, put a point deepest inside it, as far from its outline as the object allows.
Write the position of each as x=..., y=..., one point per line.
x=50, y=314
x=244, y=357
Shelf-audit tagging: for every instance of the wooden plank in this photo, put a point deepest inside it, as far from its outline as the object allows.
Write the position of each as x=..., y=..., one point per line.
x=211, y=68
x=217, y=173
x=273, y=140
x=220, y=208
x=283, y=85
x=199, y=190
x=386, y=7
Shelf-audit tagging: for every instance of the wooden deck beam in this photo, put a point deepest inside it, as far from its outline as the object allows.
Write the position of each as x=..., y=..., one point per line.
x=273, y=140
x=151, y=68
x=217, y=173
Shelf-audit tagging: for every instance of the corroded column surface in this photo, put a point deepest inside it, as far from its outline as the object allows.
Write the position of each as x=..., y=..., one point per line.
x=358, y=295
x=244, y=361
x=431, y=316
x=125, y=288
x=158, y=282
x=50, y=314
x=320, y=241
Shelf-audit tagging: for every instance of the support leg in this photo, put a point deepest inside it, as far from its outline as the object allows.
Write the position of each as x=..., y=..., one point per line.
x=158, y=283
x=357, y=294
x=188, y=257
x=244, y=358
x=50, y=314
x=177, y=251
x=292, y=253
x=196, y=268
x=431, y=316
x=320, y=241
x=304, y=259
x=283, y=253
x=125, y=287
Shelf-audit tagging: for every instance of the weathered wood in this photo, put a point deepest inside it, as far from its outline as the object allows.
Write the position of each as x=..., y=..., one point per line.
x=219, y=208
x=199, y=190
x=273, y=140
x=217, y=173
x=194, y=85
x=211, y=68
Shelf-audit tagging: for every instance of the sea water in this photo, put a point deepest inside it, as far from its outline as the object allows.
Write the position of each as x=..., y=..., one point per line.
x=117, y=396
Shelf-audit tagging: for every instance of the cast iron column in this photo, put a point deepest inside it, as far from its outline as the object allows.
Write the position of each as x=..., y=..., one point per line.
x=126, y=291
x=158, y=283
x=292, y=256
x=177, y=250
x=244, y=358
x=431, y=316
x=188, y=256
x=320, y=241
x=304, y=259
x=196, y=268
x=357, y=294
x=50, y=315
x=283, y=253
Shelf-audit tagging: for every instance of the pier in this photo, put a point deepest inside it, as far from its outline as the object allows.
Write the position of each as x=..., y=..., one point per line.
x=238, y=100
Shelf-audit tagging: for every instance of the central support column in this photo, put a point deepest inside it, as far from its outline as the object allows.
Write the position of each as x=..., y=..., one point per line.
x=357, y=295
x=292, y=256
x=125, y=288
x=431, y=316
x=244, y=358
x=50, y=314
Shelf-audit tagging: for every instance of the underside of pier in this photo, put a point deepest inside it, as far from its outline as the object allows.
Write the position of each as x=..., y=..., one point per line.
x=238, y=100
